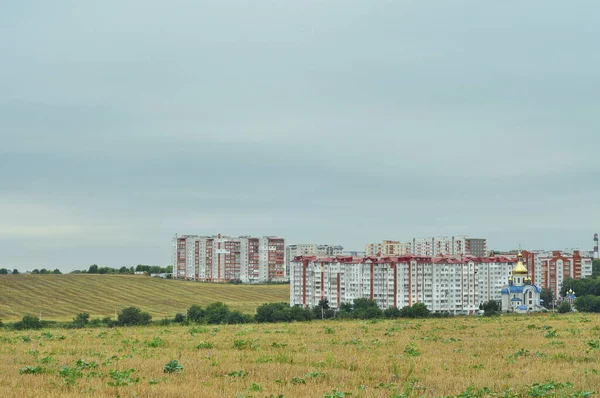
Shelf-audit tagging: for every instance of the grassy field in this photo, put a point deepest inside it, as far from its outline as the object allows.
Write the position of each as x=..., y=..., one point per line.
x=61, y=297
x=412, y=358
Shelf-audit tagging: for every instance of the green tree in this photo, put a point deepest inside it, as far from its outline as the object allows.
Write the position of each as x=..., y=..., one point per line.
x=93, y=269
x=123, y=270
x=216, y=313
x=490, y=308
x=35, y=271
x=420, y=310
x=587, y=303
x=322, y=310
x=236, y=317
x=547, y=296
x=15, y=272
x=3, y=271
x=57, y=271
x=595, y=268
x=196, y=313
x=564, y=307
x=366, y=309
x=81, y=320
x=131, y=316
x=392, y=312
x=44, y=271
x=29, y=322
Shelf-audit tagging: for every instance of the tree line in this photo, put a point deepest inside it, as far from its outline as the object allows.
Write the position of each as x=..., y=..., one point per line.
x=150, y=269
x=95, y=269
x=43, y=271
x=218, y=313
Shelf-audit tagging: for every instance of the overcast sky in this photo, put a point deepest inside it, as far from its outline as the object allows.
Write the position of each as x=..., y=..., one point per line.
x=341, y=122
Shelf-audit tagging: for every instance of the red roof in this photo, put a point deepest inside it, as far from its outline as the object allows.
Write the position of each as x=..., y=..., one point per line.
x=405, y=259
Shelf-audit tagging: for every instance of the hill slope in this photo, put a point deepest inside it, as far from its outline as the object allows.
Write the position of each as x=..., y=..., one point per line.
x=61, y=297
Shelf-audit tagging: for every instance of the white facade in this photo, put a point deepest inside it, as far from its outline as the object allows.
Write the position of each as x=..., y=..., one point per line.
x=453, y=284
x=447, y=246
x=520, y=295
x=310, y=249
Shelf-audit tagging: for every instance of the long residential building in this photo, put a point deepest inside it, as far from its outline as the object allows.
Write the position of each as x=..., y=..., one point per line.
x=456, y=284
x=430, y=246
x=310, y=249
x=220, y=258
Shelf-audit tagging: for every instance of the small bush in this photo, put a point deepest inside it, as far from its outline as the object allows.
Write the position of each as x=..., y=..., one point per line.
x=173, y=367
x=81, y=320
x=155, y=343
x=564, y=307
x=132, y=316
x=29, y=322
x=122, y=378
x=179, y=318
x=30, y=370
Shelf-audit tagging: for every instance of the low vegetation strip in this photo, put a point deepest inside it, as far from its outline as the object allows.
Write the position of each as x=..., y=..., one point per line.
x=61, y=297
x=545, y=355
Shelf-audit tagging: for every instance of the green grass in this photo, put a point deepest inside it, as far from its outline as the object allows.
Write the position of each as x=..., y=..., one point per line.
x=61, y=297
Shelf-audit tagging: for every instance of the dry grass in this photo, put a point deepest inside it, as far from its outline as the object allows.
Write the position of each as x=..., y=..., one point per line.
x=433, y=357
x=61, y=297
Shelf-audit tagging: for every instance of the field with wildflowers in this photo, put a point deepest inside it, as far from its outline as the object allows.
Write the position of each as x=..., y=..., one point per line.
x=511, y=356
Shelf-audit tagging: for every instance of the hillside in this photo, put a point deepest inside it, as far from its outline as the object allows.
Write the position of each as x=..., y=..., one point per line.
x=61, y=297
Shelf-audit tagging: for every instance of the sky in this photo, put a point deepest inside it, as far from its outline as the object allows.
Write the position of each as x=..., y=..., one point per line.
x=123, y=123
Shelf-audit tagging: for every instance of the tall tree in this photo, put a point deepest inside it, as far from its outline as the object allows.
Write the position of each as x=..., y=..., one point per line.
x=595, y=268
x=547, y=296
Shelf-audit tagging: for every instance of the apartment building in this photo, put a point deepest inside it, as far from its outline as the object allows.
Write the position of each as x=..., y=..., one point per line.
x=548, y=269
x=385, y=248
x=220, y=258
x=430, y=246
x=310, y=249
x=447, y=246
x=455, y=284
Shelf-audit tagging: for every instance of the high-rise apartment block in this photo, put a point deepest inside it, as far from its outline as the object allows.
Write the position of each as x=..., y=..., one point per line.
x=386, y=248
x=431, y=246
x=448, y=246
x=310, y=249
x=457, y=284
x=220, y=258
x=548, y=269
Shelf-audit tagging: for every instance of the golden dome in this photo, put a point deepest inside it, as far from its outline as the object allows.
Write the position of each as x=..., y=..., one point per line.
x=520, y=268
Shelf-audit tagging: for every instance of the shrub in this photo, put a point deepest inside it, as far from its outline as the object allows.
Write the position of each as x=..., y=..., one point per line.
x=155, y=343
x=564, y=307
x=366, y=309
x=179, y=318
x=122, y=378
x=216, y=313
x=236, y=317
x=81, y=320
x=490, y=308
x=28, y=322
x=196, y=313
x=392, y=312
x=133, y=316
x=273, y=312
x=30, y=370
x=172, y=367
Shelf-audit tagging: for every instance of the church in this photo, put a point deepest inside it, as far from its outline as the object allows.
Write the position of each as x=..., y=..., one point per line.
x=520, y=295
